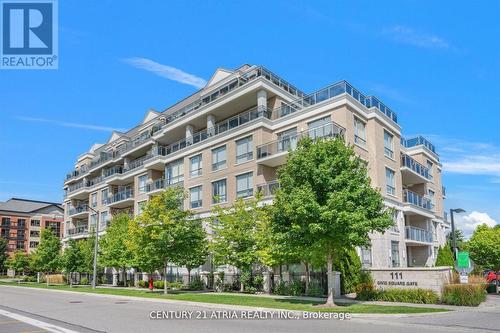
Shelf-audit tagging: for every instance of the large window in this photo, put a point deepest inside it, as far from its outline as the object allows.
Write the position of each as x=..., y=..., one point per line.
x=105, y=196
x=35, y=223
x=219, y=191
x=219, y=158
x=388, y=144
x=142, y=183
x=287, y=140
x=395, y=227
x=390, y=182
x=93, y=220
x=429, y=166
x=394, y=254
x=366, y=257
x=21, y=222
x=195, y=200
x=195, y=166
x=359, y=132
x=432, y=197
x=104, y=219
x=93, y=199
x=34, y=233
x=319, y=129
x=174, y=172
x=244, y=185
x=244, y=150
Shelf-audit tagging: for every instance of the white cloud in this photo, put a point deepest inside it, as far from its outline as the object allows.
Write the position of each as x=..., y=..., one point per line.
x=68, y=124
x=468, y=223
x=167, y=72
x=474, y=165
x=406, y=35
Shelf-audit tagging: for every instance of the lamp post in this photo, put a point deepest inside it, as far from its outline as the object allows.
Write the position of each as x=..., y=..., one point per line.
x=453, y=235
x=96, y=244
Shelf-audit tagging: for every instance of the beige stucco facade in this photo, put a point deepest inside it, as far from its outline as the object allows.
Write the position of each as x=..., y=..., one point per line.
x=231, y=137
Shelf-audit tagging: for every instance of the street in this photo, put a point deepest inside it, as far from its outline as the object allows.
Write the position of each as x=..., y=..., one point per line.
x=38, y=310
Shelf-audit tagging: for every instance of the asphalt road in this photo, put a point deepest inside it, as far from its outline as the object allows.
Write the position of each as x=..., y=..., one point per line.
x=38, y=310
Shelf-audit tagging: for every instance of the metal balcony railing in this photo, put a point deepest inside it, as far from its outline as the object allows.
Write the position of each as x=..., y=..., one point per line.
x=415, y=166
x=418, y=234
x=290, y=142
x=417, y=200
x=77, y=231
x=122, y=195
x=78, y=210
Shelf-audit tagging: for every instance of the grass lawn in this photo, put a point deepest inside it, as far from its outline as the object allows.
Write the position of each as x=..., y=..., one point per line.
x=251, y=301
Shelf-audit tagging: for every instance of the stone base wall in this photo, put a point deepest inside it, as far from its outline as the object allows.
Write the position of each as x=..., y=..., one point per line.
x=411, y=277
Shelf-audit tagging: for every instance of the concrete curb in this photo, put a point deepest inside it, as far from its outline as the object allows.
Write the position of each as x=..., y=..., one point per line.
x=228, y=306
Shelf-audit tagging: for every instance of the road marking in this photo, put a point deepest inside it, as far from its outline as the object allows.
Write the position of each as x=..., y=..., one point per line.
x=36, y=323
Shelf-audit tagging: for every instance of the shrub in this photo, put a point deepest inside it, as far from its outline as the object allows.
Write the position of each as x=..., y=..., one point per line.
x=29, y=278
x=158, y=284
x=246, y=279
x=84, y=281
x=143, y=284
x=365, y=289
x=250, y=290
x=296, y=288
x=281, y=288
x=348, y=264
x=418, y=295
x=175, y=285
x=445, y=256
x=196, y=284
x=464, y=294
x=258, y=282
x=315, y=289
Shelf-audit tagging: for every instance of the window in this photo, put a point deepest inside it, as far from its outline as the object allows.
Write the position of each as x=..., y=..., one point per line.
x=395, y=227
x=287, y=140
x=33, y=244
x=429, y=166
x=93, y=199
x=244, y=150
x=93, y=220
x=319, y=128
x=35, y=223
x=195, y=200
x=140, y=207
x=244, y=185
x=195, y=165
x=434, y=229
x=219, y=158
x=21, y=222
x=395, y=254
x=105, y=196
x=20, y=245
x=388, y=144
x=34, y=233
x=219, y=191
x=389, y=180
x=366, y=257
x=175, y=172
x=5, y=221
x=359, y=132
x=104, y=219
x=432, y=197
x=142, y=183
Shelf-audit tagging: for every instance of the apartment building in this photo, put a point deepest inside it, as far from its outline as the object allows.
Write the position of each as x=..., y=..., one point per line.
x=227, y=140
x=22, y=221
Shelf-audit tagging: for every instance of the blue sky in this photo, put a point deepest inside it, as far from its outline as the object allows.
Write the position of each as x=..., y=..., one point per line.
x=437, y=64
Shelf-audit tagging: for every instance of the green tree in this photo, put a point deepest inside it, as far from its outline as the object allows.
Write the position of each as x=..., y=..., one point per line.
x=86, y=248
x=237, y=233
x=445, y=256
x=4, y=244
x=161, y=233
x=484, y=247
x=19, y=262
x=72, y=259
x=459, y=237
x=47, y=256
x=114, y=251
x=326, y=200
x=197, y=244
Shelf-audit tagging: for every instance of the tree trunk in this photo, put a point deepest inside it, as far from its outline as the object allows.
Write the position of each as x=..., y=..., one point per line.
x=331, y=286
x=70, y=277
x=165, y=291
x=124, y=276
x=189, y=276
x=308, y=278
x=47, y=279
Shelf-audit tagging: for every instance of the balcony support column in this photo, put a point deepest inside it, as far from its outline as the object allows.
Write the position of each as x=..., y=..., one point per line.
x=211, y=124
x=261, y=99
x=189, y=134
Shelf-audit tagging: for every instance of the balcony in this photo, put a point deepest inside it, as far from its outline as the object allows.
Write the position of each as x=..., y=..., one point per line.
x=413, y=199
x=412, y=171
x=268, y=189
x=418, y=235
x=274, y=153
x=122, y=199
x=419, y=141
x=154, y=158
x=78, y=231
x=161, y=184
x=78, y=212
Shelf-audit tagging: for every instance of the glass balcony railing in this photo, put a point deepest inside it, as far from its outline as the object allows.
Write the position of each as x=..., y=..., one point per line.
x=290, y=142
x=332, y=91
x=418, y=234
x=80, y=230
x=415, y=166
x=117, y=169
x=418, y=141
x=268, y=189
x=417, y=200
x=78, y=210
x=122, y=195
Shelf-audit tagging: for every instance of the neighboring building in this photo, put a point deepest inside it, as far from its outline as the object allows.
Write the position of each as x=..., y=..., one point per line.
x=22, y=221
x=227, y=140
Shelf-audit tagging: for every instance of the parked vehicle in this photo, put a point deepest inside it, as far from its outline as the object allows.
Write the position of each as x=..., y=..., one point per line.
x=493, y=277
